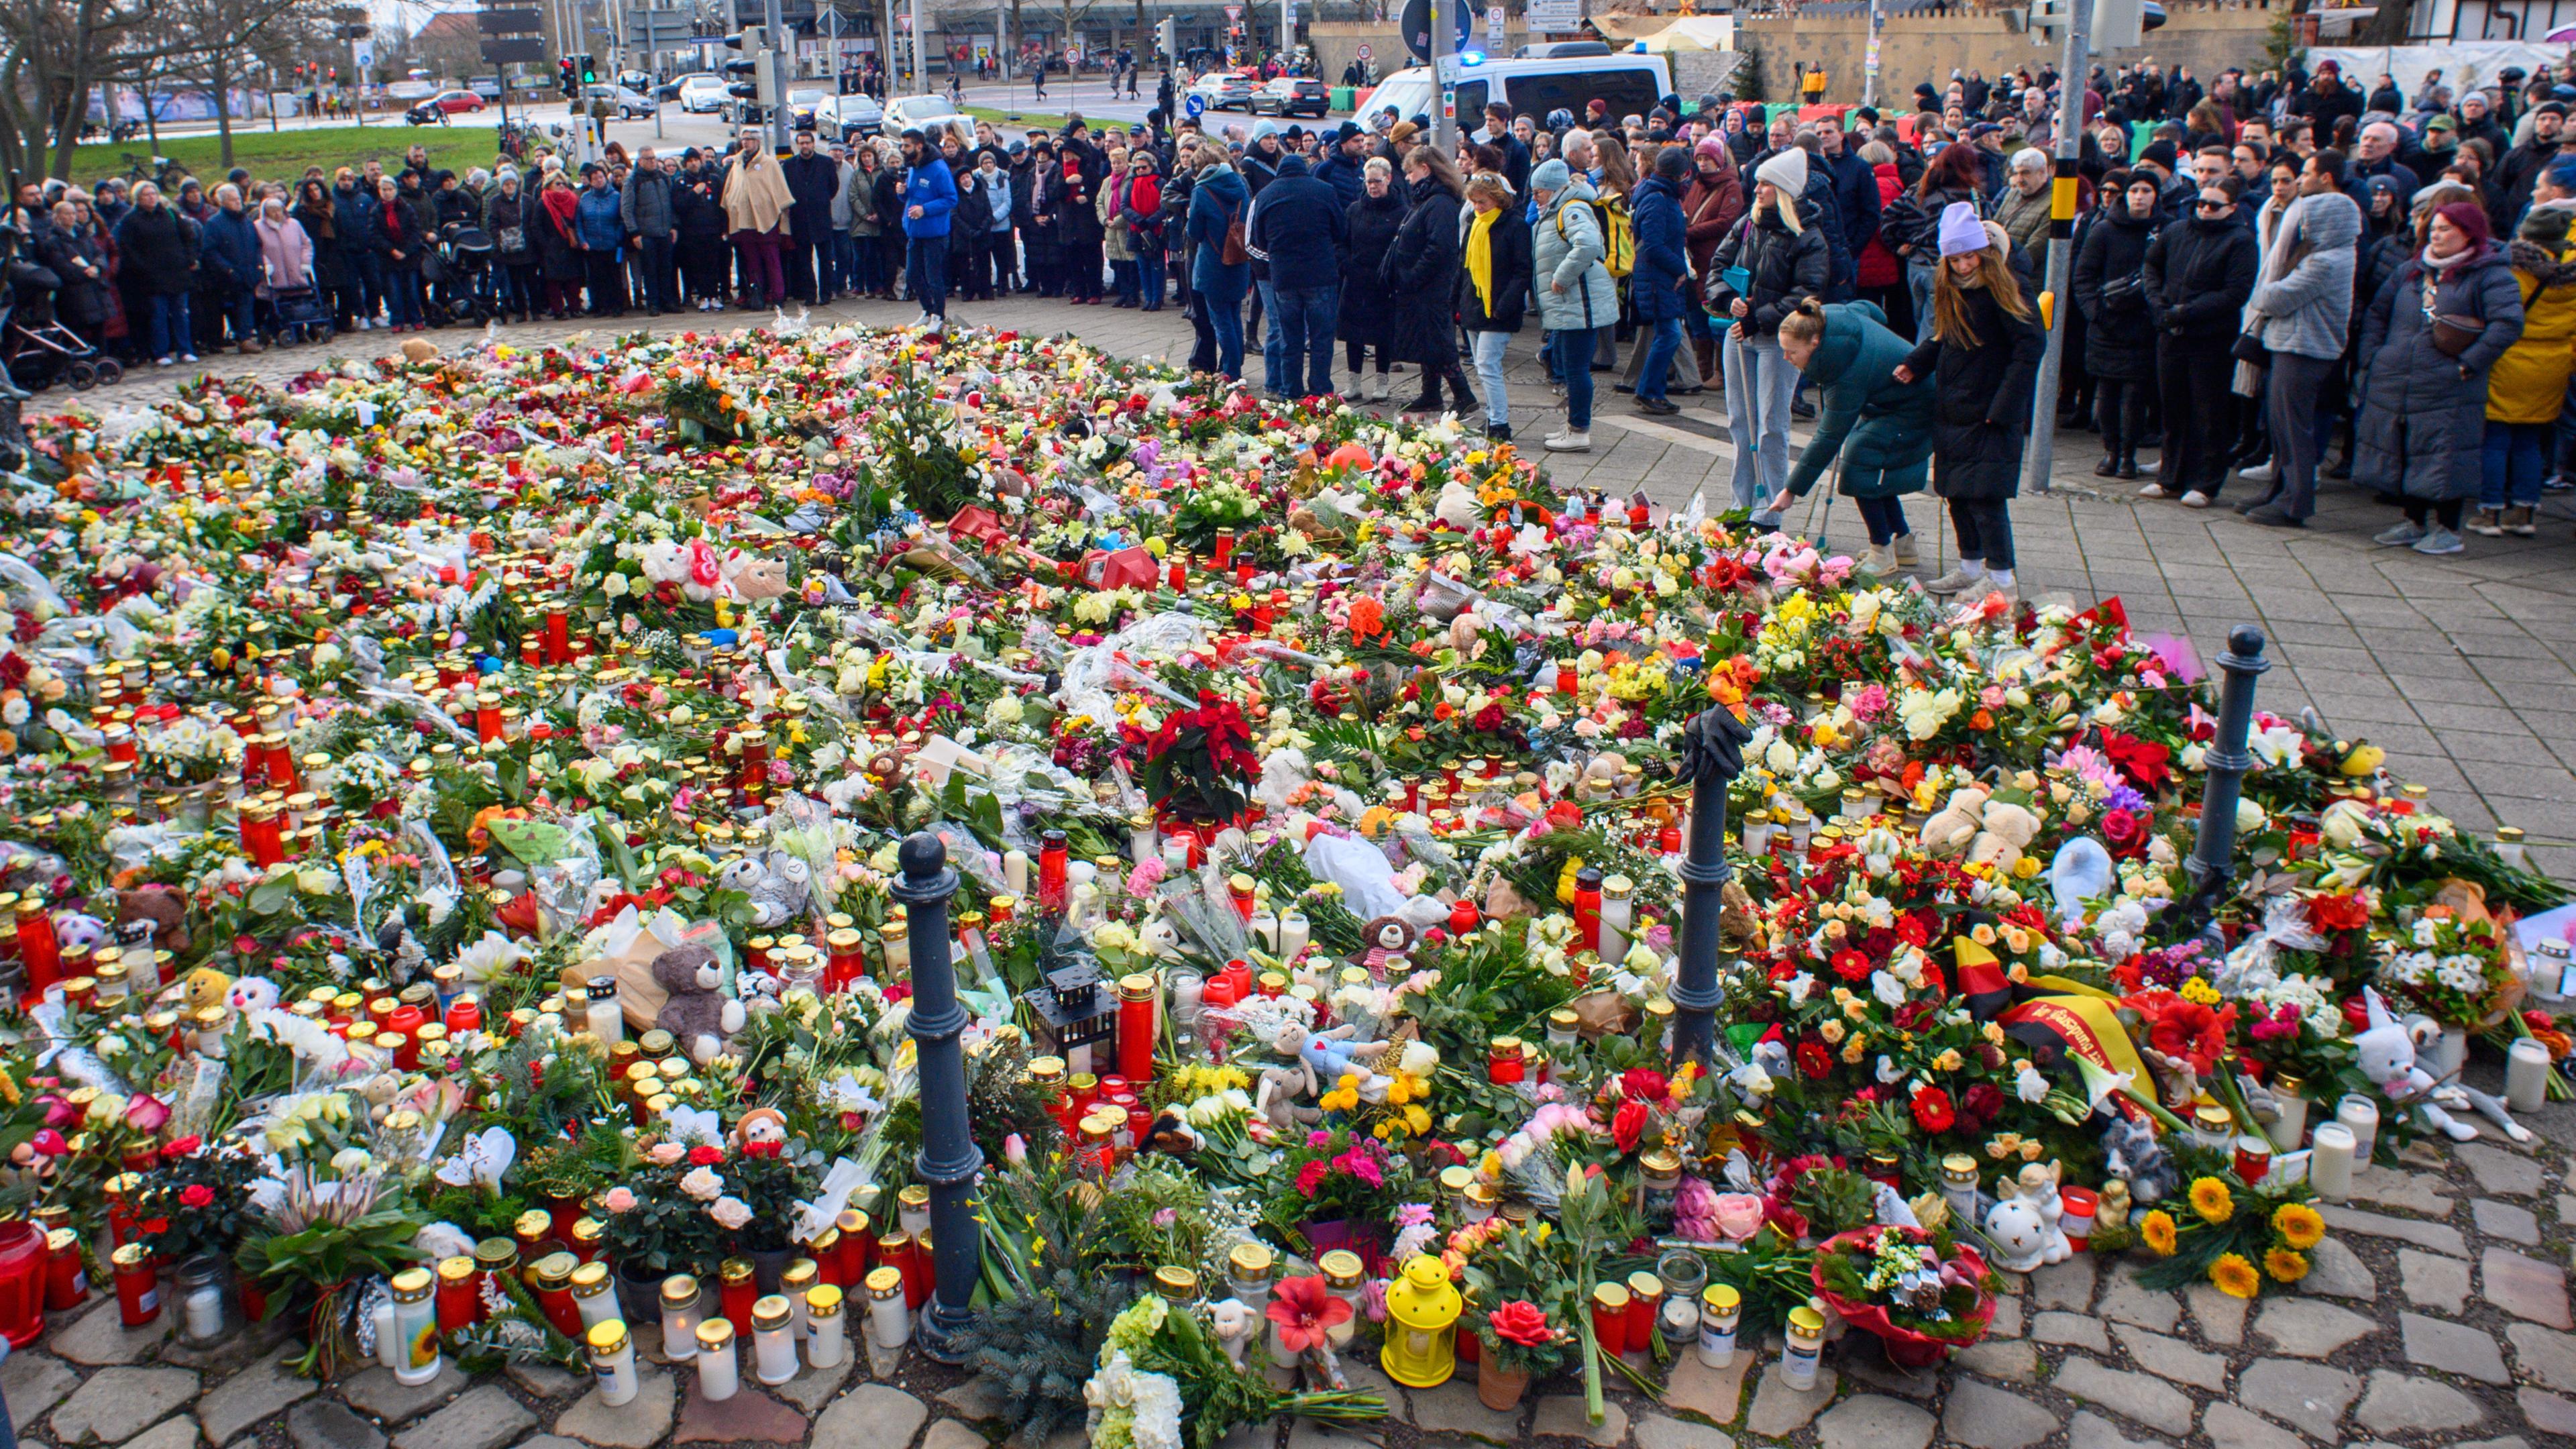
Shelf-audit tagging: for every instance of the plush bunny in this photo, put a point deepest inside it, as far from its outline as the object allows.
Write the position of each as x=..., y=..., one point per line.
x=1957, y=822
x=2386, y=1055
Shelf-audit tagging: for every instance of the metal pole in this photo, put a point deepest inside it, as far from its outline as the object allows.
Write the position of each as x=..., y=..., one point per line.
x=949, y=1161
x=1444, y=45
x=2071, y=90
x=1712, y=756
x=920, y=57
x=776, y=30
x=2213, y=855
x=1869, y=71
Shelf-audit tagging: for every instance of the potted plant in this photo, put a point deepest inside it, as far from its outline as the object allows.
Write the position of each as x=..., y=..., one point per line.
x=1515, y=1342
x=1923, y=1294
x=759, y=1209
x=655, y=1224
x=321, y=1243
x=1340, y=1189
x=196, y=1203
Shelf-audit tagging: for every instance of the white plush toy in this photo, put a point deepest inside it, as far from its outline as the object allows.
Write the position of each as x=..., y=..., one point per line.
x=2386, y=1055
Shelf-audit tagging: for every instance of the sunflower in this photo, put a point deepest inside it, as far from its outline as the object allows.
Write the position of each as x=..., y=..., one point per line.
x=2211, y=1199
x=2156, y=1229
x=2299, y=1225
x=2234, y=1276
x=2285, y=1265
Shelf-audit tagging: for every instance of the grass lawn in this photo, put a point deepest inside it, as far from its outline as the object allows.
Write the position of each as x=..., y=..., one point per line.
x=1028, y=120
x=284, y=154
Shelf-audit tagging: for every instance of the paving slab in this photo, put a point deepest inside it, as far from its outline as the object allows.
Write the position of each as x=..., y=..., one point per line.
x=483, y=1418
x=2307, y=1328
x=265, y=1388
x=2432, y=1280
x=1983, y=1417
x=2408, y=1404
x=869, y=1416
x=2171, y=1358
x=100, y=1337
x=2524, y=1287
x=635, y=1424
x=1779, y=1410
x=2133, y=1396
x=116, y=1404
x=34, y=1381
x=2336, y=1271
x=2453, y=1348
x=1874, y=1421
x=327, y=1424
x=2543, y=1356
x=1563, y=1416
x=2500, y=1171
x=1663, y=1431
x=2308, y=1397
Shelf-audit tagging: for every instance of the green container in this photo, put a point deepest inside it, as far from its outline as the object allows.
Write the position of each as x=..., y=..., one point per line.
x=1346, y=98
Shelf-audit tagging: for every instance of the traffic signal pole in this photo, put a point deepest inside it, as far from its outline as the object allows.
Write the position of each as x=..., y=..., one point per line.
x=777, y=33
x=2072, y=88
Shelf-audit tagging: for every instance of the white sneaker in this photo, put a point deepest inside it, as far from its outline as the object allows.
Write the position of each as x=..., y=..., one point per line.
x=1906, y=554
x=161, y=362
x=1356, y=392
x=1377, y=387
x=2152, y=490
x=921, y=321
x=1569, y=441
x=938, y=325
x=2406, y=534
x=2440, y=540
x=1955, y=581
x=2195, y=499
x=187, y=357
x=2260, y=473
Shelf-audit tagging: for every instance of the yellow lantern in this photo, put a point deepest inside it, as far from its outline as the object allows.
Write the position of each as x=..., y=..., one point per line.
x=1422, y=1351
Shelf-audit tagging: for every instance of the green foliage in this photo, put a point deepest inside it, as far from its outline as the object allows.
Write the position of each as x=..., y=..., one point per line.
x=1038, y=1349
x=202, y=1201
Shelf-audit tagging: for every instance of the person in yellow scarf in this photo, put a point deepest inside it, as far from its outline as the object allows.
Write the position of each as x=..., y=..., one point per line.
x=756, y=200
x=1493, y=286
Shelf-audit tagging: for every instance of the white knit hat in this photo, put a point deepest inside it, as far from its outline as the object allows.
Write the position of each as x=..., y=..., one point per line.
x=1787, y=170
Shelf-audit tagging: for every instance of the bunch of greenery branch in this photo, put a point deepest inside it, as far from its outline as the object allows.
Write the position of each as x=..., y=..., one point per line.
x=1037, y=1349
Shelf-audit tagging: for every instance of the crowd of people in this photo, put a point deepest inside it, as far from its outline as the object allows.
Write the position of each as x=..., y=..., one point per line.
x=2276, y=279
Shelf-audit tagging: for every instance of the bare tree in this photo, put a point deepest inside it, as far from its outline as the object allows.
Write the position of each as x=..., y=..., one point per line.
x=51, y=53
x=223, y=39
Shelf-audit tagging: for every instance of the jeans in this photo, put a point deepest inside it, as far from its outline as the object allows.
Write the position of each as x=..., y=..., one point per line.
x=1918, y=287
x=402, y=295
x=371, y=283
x=1301, y=332
x=1122, y=280
x=867, y=274
x=1486, y=350
x=2122, y=402
x=1572, y=350
x=1225, y=322
x=1659, y=362
x=1274, y=348
x=1759, y=381
x=1149, y=275
x=168, y=325
x=2517, y=458
x=240, y=312
x=1983, y=527
x=1884, y=517
x=925, y=261
x=2293, y=393
x=660, y=294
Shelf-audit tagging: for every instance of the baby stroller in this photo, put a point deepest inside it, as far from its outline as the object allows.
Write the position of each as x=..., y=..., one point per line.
x=35, y=347
x=302, y=314
x=465, y=255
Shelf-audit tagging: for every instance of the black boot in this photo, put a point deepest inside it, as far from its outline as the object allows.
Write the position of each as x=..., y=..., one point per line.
x=1468, y=407
x=2128, y=462
x=2109, y=467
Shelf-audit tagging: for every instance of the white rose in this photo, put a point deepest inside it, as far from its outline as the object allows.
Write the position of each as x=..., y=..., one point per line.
x=730, y=1212
x=703, y=1184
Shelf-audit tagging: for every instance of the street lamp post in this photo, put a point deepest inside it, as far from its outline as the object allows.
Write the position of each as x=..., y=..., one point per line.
x=2213, y=855
x=949, y=1160
x=1712, y=756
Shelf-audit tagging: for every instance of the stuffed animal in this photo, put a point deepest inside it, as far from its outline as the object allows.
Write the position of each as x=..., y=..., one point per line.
x=697, y=1014
x=2386, y=1055
x=780, y=885
x=2132, y=1157
x=2023, y=1226
x=2008, y=830
x=1235, y=1324
x=419, y=349
x=1385, y=938
x=1280, y=1098
x=205, y=987
x=154, y=918
x=753, y=576
x=762, y=1132
x=251, y=993
x=1956, y=823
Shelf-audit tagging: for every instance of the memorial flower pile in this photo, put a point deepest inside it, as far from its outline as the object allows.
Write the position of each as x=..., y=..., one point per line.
x=466, y=815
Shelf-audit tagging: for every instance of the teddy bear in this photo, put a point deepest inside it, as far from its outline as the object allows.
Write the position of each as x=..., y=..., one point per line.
x=419, y=349
x=154, y=918
x=251, y=993
x=2008, y=831
x=780, y=885
x=204, y=987
x=755, y=577
x=1956, y=823
x=698, y=1014
x=1386, y=938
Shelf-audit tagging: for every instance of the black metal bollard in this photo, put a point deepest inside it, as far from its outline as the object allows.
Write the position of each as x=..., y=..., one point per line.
x=1712, y=756
x=949, y=1161
x=2213, y=854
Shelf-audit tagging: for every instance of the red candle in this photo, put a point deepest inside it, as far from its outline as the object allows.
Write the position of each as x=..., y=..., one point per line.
x=558, y=635
x=458, y=1307
x=856, y=1260
x=487, y=715
x=1051, y=867
x=37, y=948
x=1136, y=1028
x=464, y=1014
x=1180, y=577
x=1503, y=1062
x=138, y=1286
x=1224, y=547
x=1610, y=1317
x=66, y=1281
x=281, y=764
x=1565, y=682
x=1587, y=907
x=738, y=1292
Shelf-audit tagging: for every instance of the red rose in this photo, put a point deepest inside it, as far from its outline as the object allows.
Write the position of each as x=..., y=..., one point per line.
x=706, y=1154
x=2338, y=913
x=196, y=1195
x=179, y=1147
x=2122, y=828
x=1521, y=1322
x=1628, y=1125
x=1932, y=1110
x=1638, y=1084
x=1983, y=1101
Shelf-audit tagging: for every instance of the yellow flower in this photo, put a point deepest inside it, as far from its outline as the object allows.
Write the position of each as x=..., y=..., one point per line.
x=2234, y=1276
x=2156, y=1230
x=2285, y=1266
x=2299, y=1225
x=2200, y=991
x=2211, y=1199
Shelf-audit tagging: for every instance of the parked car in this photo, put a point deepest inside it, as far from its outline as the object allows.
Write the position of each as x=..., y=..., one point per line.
x=802, y=108
x=435, y=110
x=1292, y=95
x=703, y=91
x=630, y=104
x=1223, y=90
x=922, y=113
x=854, y=115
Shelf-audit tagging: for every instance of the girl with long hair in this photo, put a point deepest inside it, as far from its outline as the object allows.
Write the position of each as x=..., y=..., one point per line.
x=1984, y=346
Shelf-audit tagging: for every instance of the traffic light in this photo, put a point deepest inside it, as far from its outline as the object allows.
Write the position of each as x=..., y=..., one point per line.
x=1167, y=35
x=589, y=70
x=750, y=38
x=567, y=77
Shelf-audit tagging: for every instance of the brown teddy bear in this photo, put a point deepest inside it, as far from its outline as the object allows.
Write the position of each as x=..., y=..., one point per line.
x=154, y=917
x=698, y=1014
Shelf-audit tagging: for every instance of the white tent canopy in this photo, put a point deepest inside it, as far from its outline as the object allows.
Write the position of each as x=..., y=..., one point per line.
x=2470, y=62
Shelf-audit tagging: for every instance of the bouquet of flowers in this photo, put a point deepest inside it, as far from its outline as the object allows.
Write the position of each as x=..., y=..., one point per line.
x=2234, y=1234
x=1923, y=1294
x=1163, y=1373
x=2451, y=967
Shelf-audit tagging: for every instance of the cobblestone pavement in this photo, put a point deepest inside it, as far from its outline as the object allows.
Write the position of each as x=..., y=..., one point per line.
x=2463, y=667
x=2437, y=1314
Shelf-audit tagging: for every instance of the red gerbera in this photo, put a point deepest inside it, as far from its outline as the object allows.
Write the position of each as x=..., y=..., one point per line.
x=1932, y=1110
x=1851, y=965
x=1814, y=1060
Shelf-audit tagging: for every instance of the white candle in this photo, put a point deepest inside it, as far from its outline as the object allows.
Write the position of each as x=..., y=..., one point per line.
x=1293, y=933
x=1616, y=917
x=2330, y=1162
x=1189, y=990
x=2360, y=1117
x=887, y=1321
x=773, y=1340
x=1176, y=855
x=607, y=1021
x=2526, y=1075
x=389, y=1351
x=1015, y=871
x=1265, y=929
x=612, y=1362
x=719, y=1375
x=825, y=1334
x=2292, y=1124
x=679, y=1317
x=206, y=1311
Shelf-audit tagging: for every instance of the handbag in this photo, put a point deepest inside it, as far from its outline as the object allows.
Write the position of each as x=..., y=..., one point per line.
x=2248, y=347
x=2453, y=332
x=1234, y=253
x=513, y=241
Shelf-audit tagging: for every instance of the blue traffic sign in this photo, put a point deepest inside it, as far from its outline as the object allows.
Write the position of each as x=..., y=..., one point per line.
x=1195, y=106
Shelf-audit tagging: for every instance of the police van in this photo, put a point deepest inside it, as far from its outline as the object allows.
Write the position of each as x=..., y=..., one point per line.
x=1568, y=75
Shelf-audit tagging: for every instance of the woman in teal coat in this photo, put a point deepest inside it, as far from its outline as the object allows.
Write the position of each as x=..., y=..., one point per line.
x=1881, y=427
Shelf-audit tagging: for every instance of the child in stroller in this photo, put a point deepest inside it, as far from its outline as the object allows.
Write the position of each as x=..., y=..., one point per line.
x=35, y=345
x=463, y=266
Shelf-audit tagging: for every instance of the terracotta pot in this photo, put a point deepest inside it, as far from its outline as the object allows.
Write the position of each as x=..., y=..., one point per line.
x=1499, y=1389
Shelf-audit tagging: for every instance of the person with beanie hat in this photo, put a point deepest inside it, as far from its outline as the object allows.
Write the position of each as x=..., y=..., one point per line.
x=1710, y=209
x=1574, y=289
x=2522, y=408
x=2419, y=441
x=1984, y=348
x=1912, y=225
x=1776, y=258
x=1785, y=171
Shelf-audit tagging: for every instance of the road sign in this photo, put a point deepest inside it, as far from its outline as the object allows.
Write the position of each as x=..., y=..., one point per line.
x=1417, y=26
x=1233, y=13
x=1555, y=15
x=1195, y=106
x=508, y=22
x=523, y=49
x=1365, y=52
x=1494, y=25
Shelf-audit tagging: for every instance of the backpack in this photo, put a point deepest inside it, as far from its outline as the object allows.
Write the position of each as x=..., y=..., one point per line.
x=1618, y=235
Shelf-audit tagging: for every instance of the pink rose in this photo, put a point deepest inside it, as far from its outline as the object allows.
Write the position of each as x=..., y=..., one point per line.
x=1739, y=1215
x=667, y=1153
x=619, y=1199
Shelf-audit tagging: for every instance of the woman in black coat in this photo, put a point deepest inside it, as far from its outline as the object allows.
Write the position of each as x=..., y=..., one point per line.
x=333, y=276
x=74, y=251
x=2119, y=335
x=509, y=217
x=2199, y=273
x=1494, y=273
x=1077, y=228
x=1984, y=347
x=886, y=194
x=1421, y=271
x=1368, y=310
x=559, y=260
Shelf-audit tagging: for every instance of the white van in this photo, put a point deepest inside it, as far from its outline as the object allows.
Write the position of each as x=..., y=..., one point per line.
x=1532, y=85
